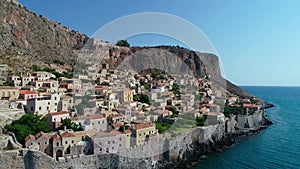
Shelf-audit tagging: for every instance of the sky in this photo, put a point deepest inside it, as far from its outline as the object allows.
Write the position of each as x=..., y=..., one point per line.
x=258, y=42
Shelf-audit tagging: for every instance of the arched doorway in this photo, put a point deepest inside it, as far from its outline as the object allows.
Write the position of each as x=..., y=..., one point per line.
x=147, y=138
x=59, y=153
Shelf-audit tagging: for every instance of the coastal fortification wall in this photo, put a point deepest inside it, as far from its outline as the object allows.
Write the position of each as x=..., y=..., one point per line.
x=180, y=151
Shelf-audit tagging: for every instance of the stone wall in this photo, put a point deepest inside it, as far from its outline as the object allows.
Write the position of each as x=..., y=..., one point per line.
x=182, y=151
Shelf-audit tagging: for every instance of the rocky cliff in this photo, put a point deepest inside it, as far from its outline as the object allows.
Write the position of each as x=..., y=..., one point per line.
x=26, y=38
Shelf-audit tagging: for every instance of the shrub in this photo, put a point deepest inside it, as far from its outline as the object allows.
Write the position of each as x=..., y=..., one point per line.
x=123, y=43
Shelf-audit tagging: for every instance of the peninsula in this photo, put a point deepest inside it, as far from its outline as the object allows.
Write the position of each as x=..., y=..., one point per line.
x=70, y=101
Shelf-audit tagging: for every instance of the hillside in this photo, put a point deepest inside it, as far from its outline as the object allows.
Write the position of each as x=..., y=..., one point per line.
x=27, y=38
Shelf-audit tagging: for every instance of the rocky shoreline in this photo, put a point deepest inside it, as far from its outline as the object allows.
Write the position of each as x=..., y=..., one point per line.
x=199, y=151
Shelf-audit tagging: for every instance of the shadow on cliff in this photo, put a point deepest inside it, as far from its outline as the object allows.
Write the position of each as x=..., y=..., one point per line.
x=29, y=160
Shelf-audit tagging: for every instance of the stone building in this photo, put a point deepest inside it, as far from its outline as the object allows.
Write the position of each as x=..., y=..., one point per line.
x=8, y=94
x=141, y=132
x=64, y=144
x=109, y=142
x=39, y=142
x=55, y=118
x=97, y=122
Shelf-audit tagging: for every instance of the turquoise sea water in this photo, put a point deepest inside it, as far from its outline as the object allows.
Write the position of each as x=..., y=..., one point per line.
x=276, y=147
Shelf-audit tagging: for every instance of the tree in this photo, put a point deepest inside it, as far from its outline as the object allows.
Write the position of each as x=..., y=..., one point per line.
x=200, y=121
x=36, y=68
x=123, y=43
x=28, y=124
x=70, y=125
x=142, y=98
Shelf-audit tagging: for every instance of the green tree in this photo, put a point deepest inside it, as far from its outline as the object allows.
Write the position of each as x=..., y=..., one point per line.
x=36, y=68
x=142, y=98
x=28, y=124
x=70, y=125
x=58, y=62
x=200, y=121
x=123, y=43
x=104, y=84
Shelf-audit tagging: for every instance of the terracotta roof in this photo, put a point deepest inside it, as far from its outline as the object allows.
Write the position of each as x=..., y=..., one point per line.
x=27, y=92
x=126, y=131
x=117, y=125
x=163, y=112
x=7, y=88
x=59, y=113
x=29, y=137
x=116, y=115
x=56, y=137
x=78, y=118
x=96, y=116
x=107, y=134
x=142, y=125
x=67, y=134
x=38, y=135
x=250, y=105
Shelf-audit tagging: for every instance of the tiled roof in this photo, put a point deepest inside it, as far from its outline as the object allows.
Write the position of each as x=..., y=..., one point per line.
x=96, y=116
x=67, y=134
x=38, y=135
x=56, y=137
x=79, y=118
x=127, y=131
x=107, y=134
x=59, y=113
x=250, y=105
x=27, y=92
x=139, y=126
x=29, y=137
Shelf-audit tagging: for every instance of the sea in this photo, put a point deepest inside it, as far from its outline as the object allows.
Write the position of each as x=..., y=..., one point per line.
x=276, y=147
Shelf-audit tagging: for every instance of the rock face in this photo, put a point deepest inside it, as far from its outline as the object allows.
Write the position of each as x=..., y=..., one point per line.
x=26, y=37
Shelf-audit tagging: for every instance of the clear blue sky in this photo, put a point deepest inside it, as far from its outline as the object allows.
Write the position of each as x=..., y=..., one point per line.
x=257, y=41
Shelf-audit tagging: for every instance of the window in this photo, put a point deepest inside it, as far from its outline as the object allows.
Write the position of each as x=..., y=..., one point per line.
x=40, y=108
x=108, y=142
x=140, y=134
x=112, y=148
x=55, y=98
x=100, y=143
x=120, y=139
x=120, y=145
x=98, y=122
x=48, y=103
x=57, y=144
x=45, y=142
x=72, y=141
x=66, y=142
x=113, y=142
x=100, y=149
